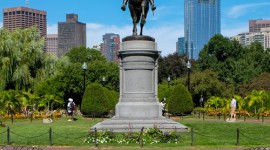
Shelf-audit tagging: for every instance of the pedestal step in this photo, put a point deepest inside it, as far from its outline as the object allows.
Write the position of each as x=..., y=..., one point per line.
x=135, y=125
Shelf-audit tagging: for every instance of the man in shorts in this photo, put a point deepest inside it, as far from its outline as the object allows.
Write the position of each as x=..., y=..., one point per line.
x=233, y=108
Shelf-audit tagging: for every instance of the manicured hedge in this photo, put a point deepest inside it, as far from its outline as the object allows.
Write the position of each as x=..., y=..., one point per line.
x=98, y=101
x=180, y=101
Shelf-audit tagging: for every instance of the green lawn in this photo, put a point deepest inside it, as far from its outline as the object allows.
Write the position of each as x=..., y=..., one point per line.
x=208, y=133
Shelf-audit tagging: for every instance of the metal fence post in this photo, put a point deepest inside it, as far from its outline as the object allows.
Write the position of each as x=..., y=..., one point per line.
x=8, y=136
x=50, y=136
x=192, y=137
x=141, y=137
x=237, y=136
x=12, y=118
x=96, y=144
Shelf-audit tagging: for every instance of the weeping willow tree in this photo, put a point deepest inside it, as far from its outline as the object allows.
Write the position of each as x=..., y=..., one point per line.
x=22, y=60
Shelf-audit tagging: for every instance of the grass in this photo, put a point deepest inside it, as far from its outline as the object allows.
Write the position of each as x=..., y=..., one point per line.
x=210, y=133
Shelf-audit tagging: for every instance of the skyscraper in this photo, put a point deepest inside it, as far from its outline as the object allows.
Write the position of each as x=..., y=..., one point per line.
x=110, y=46
x=202, y=21
x=22, y=17
x=71, y=34
x=180, y=46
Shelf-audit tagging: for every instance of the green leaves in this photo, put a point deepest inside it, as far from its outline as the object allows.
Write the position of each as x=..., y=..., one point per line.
x=180, y=101
x=234, y=63
x=21, y=54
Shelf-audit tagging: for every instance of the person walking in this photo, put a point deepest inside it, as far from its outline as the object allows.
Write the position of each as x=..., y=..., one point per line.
x=233, y=108
x=70, y=108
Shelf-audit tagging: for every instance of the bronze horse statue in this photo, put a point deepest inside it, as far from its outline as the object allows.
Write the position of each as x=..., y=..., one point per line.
x=138, y=10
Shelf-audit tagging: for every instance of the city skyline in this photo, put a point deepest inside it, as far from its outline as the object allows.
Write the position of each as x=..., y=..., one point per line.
x=166, y=26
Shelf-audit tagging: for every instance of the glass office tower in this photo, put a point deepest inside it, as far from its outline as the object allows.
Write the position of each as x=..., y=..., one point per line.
x=202, y=21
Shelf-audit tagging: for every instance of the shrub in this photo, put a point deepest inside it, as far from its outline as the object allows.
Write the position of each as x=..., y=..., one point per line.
x=97, y=100
x=113, y=99
x=181, y=101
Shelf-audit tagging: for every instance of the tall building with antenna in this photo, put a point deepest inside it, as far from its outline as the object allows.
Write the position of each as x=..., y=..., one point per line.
x=23, y=17
x=202, y=21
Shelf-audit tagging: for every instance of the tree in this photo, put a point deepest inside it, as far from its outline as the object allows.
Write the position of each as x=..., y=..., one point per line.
x=206, y=84
x=82, y=54
x=171, y=65
x=21, y=58
x=259, y=83
x=256, y=99
x=10, y=102
x=234, y=63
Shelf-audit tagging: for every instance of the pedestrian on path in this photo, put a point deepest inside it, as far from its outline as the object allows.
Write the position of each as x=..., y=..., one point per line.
x=233, y=108
x=70, y=108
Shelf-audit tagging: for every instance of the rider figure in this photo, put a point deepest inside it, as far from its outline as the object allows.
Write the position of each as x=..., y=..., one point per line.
x=143, y=4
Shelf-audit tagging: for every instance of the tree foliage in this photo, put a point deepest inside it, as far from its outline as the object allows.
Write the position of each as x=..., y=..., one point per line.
x=259, y=83
x=233, y=62
x=258, y=99
x=68, y=80
x=180, y=101
x=171, y=65
x=22, y=59
x=206, y=84
x=82, y=54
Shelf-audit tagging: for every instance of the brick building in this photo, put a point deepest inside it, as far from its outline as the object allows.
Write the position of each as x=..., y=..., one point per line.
x=256, y=25
x=23, y=17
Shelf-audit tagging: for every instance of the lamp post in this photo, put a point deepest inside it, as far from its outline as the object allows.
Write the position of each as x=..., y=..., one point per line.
x=169, y=80
x=188, y=71
x=103, y=81
x=84, y=67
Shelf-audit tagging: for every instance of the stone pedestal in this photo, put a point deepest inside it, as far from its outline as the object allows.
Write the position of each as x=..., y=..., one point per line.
x=138, y=104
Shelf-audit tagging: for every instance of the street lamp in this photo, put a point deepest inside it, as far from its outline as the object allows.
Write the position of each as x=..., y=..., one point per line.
x=103, y=81
x=84, y=67
x=188, y=71
x=169, y=80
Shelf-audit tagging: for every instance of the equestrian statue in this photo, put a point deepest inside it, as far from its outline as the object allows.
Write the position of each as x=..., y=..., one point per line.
x=138, y=10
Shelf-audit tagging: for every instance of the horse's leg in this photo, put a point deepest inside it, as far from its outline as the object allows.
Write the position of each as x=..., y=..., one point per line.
x=145, y=8
x=134, y=19
x=134, y=26
x=142, y=24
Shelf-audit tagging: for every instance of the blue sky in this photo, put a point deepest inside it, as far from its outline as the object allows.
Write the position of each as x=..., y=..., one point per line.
x=166, y=25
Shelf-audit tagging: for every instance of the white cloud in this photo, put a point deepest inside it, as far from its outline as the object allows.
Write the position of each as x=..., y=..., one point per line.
x=229, y=32
x=52, y=29
x=166, y=36
x=240, y=10
x=1, y=24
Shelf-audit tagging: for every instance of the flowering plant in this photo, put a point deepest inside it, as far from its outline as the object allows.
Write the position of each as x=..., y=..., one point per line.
x=149, y=136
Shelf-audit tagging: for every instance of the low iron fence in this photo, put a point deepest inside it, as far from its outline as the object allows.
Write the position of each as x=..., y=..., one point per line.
x=192, y=136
